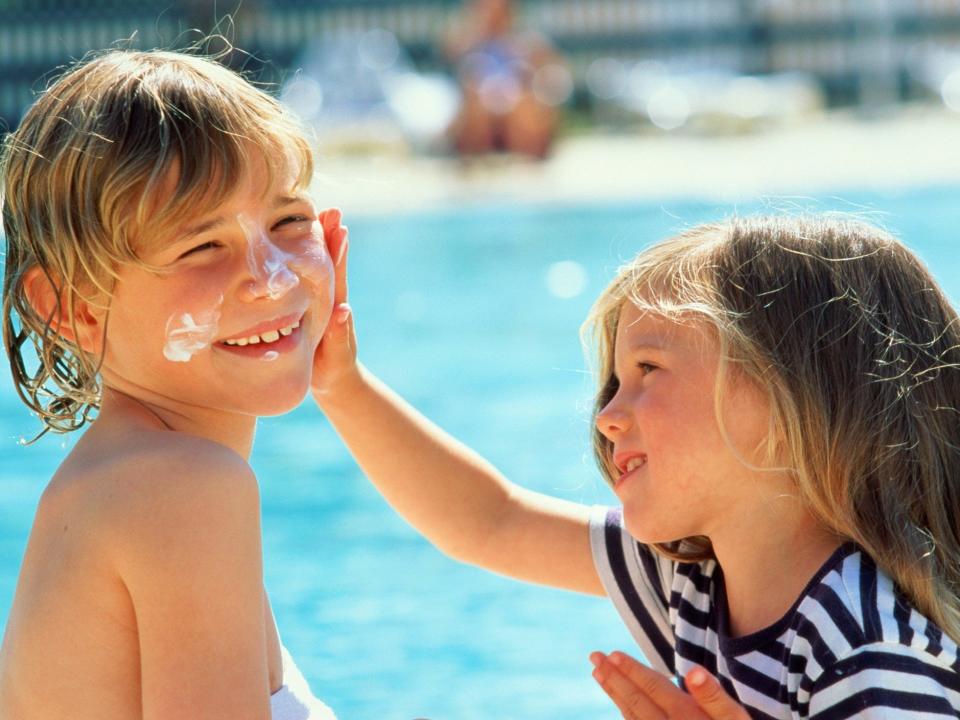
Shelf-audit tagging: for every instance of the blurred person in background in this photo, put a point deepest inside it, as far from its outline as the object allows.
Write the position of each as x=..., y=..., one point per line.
x=509, y=81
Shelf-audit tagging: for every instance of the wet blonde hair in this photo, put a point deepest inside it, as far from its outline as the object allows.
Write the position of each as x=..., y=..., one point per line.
x=87, y=184
x=858, y=351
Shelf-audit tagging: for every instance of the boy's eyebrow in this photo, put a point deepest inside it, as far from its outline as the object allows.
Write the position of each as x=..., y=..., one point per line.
x=281, y=200
x=201, y=228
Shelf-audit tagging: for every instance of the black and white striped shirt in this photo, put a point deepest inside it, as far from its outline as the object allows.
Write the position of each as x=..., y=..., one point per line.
x=850, y=647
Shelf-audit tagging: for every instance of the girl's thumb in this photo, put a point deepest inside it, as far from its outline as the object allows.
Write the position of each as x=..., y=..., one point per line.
x=711, y=698
x=342, y=314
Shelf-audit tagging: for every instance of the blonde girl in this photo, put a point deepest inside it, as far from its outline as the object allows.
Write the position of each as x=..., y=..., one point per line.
x=779, y=414
x=165, y=274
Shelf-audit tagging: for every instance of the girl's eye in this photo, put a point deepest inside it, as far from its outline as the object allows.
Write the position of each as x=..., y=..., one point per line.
x=646, y=368
x=200, y=248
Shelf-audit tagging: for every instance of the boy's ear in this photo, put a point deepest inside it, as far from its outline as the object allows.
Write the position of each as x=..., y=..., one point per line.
x=50, y=304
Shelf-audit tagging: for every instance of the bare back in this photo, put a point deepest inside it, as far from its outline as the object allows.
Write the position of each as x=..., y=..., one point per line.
x=72, y=646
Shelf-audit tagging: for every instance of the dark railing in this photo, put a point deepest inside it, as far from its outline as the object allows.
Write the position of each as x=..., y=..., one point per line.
x=851, y=46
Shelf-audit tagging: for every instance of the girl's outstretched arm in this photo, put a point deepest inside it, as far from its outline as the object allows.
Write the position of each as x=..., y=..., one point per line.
x=458, y=500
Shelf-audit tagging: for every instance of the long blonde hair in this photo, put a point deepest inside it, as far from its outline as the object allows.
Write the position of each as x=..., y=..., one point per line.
x=83, y=191
x=858, y=350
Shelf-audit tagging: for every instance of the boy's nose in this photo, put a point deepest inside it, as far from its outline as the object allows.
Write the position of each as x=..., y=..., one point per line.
x=269, y=270
x=271, y=280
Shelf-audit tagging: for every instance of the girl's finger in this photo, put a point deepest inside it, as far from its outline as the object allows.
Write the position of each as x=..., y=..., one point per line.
x=632, y=702
x=330, y=219
x=654, y=684
x=712, y=698
x=341, y=331
x=340, y=273
x=332, y=235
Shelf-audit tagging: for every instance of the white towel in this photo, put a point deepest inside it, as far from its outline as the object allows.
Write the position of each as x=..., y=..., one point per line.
x=294, y=700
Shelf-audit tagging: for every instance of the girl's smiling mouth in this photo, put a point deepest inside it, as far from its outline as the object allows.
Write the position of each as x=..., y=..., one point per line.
x=628, y=463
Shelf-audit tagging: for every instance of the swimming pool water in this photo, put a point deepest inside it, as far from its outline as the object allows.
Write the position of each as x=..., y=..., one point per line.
x=469, y=315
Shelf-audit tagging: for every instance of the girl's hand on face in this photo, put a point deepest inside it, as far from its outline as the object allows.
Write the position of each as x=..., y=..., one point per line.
x=642, y=693
x=336, y=356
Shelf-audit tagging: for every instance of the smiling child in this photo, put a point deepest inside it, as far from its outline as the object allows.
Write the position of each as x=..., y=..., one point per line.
x=167, y=275
x=777, y=415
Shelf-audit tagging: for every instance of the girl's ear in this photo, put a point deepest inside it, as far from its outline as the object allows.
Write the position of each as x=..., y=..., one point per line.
x=50, y=304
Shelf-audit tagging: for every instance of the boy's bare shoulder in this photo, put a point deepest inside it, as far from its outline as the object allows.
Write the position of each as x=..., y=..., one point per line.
x=156, y=487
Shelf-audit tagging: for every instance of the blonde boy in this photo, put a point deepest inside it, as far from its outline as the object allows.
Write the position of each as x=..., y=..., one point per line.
x=168, y=269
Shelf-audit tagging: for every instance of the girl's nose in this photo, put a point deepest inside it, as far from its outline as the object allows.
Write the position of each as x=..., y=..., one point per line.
x=612, y=420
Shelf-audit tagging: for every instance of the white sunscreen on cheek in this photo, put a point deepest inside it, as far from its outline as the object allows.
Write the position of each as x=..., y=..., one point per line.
x=189, y=333
x=314, y=265
x=269, y=265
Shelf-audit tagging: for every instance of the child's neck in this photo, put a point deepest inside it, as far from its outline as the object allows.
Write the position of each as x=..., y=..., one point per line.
x=234, y=431
x=766, y=568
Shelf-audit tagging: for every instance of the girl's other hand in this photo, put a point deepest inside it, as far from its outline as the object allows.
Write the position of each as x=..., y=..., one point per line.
x=336, y=357
x=642, y=693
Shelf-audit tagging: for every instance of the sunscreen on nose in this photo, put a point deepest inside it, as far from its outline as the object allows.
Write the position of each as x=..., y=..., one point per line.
x=278, y=270
x=269, y=265
x=189, y=333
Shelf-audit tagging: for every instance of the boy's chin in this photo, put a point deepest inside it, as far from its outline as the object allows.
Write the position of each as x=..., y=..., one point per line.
x=277, y=400
x=280, y=409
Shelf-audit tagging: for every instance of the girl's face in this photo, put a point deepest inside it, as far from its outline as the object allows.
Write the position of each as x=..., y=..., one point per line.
x=233, y=319
x=676, y=474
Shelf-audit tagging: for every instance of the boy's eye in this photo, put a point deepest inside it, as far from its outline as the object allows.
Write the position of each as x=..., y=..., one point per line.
x=199, y=248
x=646, y=368
x=292, y=219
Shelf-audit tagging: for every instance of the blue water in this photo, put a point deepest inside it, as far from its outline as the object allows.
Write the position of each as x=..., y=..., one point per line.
x=455, y=311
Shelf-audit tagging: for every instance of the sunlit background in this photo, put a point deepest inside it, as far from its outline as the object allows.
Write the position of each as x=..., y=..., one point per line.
x=713, y=64
x=470, y=275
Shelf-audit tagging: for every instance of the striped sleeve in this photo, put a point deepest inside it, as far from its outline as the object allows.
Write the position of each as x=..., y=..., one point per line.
x=638, y=582
x=884, y=681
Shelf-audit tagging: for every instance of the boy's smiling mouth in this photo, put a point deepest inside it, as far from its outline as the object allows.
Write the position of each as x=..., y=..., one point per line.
x=268, y=337
x=276, y=335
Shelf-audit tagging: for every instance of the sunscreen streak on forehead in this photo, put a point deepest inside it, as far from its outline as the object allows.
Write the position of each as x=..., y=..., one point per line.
x=189, y=333
x=268, y=264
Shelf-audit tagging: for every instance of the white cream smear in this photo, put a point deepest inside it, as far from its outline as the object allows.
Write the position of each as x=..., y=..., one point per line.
x=186, y=334
x=269, y=265
x=275, y=272
x=278, y=271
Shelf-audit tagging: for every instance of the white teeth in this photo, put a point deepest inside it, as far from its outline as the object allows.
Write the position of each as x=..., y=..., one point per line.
x=271, y=336
x=634, y=463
